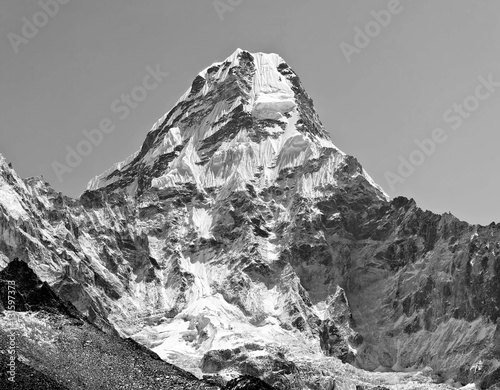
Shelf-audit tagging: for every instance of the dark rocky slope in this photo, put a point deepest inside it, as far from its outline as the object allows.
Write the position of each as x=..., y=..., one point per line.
x=247, y=382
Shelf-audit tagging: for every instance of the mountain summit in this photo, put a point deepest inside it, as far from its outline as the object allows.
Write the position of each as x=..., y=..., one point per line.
x=240, y=240
x=243, y=121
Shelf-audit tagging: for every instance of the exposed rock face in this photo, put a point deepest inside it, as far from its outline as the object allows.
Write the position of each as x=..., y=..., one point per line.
x=436, y=295
x=240, y=239
x=21, y=285
x=247, y=382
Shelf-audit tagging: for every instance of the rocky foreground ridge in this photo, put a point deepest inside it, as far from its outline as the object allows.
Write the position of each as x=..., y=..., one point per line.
x=240, y=240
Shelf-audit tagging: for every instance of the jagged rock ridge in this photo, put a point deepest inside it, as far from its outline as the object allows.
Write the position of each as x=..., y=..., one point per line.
x=240, y=239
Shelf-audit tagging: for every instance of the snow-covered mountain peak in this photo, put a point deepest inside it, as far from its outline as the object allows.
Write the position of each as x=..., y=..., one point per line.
x=251, y=244
x=244, y=121
x=266, y=77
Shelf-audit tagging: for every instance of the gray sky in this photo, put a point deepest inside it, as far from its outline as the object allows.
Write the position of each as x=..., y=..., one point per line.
x=395, y=89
